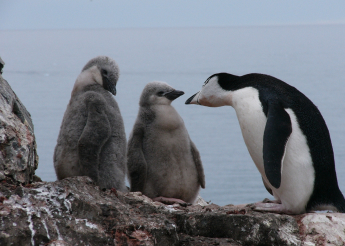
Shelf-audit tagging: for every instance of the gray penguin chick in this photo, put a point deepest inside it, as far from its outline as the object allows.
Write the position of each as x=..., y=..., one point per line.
x=163, y=162
x=92, y=140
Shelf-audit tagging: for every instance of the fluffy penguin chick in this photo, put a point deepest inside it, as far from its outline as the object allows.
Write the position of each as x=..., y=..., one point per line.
x=92, y=139
x=162, y=159
x=286, y=137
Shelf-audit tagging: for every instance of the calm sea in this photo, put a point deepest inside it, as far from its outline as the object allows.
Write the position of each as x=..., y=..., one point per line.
x=41, y=66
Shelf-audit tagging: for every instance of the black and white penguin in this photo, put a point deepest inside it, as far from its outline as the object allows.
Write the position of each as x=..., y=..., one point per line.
x=286, y=137
x=92, y=140
x=163, y=162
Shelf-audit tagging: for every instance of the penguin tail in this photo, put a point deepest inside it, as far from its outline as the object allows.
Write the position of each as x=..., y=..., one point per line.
x=340, y=205
x=334, y=201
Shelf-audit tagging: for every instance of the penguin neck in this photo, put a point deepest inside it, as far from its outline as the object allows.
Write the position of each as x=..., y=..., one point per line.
x=228, y=99
x=214, y=98
x=242, y=99
x=166, y=116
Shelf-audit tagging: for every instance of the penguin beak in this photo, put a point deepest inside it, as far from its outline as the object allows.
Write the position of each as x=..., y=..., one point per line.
x=109, y=86
x=193, y=99
x=113, y=90
x=172, y=95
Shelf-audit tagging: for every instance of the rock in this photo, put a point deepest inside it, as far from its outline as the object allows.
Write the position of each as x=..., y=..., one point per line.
x=322, y=229
x=74, y=211
x=2, y=64
x=18, y=156
x=248, y=227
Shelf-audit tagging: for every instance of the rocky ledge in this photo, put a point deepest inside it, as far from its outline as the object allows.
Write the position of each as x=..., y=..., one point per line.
x=76, y=212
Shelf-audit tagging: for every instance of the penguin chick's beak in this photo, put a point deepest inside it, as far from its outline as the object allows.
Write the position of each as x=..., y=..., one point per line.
x=109, y=86
x=193, y=99
x=172, y=95
x=113, y=90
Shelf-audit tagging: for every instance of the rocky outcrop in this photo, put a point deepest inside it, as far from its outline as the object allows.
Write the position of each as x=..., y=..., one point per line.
x=74, y=211
x=18, y=156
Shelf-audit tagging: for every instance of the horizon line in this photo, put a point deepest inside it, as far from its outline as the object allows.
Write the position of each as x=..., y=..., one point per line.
x=178, y=27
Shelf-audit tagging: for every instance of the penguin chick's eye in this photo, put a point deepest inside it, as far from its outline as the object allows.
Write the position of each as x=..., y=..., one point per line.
x=160, y=93
x=104, y=72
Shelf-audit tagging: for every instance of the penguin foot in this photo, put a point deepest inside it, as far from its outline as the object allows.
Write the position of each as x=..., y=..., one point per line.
x=266, y=200
x=169, y=201
x=271, y=207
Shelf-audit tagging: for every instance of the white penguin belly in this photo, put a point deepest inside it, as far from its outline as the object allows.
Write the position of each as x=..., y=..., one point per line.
x=297, y=180
x=298, y=173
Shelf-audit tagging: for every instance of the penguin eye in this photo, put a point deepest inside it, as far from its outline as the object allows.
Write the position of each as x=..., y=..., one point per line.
x=160, y=93
x=104, y=72
x=206, y=81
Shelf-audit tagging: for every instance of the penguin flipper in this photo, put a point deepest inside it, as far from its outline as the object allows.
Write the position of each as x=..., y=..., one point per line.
x=136, y=162
x=198, y=164
x=95, y=133
x=277, y=132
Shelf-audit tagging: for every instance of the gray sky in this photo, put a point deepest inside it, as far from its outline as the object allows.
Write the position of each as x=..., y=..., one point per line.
x=75, y=14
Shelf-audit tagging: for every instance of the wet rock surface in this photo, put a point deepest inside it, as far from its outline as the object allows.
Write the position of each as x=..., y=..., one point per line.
x=18, y=156
x=74, y=211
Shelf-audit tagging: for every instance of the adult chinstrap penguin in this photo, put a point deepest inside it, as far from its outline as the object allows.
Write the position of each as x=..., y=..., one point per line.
x=286, y=137
x=163, y=162
x=92, y=139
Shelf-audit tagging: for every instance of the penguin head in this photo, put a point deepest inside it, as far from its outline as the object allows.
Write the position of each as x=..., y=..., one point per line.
x=100, y=70
x=216, y=91
x=158, y=93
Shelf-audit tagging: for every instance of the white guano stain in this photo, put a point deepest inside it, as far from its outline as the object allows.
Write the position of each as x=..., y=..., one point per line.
x=87, y=223
x=51, y=200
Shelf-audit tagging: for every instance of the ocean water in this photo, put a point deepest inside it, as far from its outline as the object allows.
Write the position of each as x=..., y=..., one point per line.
x=41, y=66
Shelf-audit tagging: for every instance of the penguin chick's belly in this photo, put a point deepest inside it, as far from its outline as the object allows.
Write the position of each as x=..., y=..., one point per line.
x=68, y=165
x=170, y=184
x=171, y=169
x=297, y=171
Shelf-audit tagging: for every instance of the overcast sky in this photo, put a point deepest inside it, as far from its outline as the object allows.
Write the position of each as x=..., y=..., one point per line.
x=76, y=14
